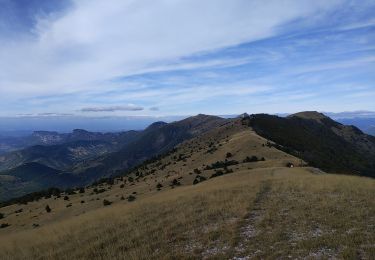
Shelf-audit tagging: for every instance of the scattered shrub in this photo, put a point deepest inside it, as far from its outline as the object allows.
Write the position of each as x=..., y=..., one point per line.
x=175, y=182
x=81, y=190
x=159, y=186
x=131, y=198
x=66, y=198
x=106, y=202
x=220, y=164
x=4, y=225
x=228, y=155
x=199, y=179
x=197, y=171
x=48, y=209
x=217, y=173
x=251, y=159
x=1, y=215
x=70, y=192
x=99, y=191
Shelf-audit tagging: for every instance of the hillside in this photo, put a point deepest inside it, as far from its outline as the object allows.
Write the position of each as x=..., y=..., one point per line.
x=10, y=144
x=33, y=176
x=222, y=150
x=95, y=159
x=155, y=140
x=223, y=191
x=320, y=141
x=62, y=151
x=316, y=139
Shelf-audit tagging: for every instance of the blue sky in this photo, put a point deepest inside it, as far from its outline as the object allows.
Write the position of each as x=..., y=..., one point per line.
x=182, y=57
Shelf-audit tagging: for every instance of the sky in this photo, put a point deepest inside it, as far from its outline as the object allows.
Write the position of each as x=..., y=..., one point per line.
x=160, y=58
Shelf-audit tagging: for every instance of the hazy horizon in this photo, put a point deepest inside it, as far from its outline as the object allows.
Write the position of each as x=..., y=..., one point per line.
x=25, y=125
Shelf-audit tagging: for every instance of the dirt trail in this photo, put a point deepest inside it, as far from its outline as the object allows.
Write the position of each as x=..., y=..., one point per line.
x=247, y=229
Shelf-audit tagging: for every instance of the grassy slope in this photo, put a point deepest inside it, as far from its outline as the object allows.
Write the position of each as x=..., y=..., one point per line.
x=233, y=137
x=269, y=212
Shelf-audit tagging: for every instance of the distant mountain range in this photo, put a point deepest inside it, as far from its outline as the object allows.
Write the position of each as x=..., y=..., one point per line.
x=81, y=157
x=367, y=125
x=9, y=143
x=96, y=155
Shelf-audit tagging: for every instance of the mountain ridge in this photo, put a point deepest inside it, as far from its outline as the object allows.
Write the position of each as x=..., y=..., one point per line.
x=315, y=138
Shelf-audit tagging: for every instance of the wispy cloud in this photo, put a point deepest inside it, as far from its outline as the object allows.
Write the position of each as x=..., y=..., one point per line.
x=129, y=107
x=95, y=41
x=184, y=55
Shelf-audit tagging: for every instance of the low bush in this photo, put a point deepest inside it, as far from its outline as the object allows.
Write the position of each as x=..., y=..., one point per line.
x=159, y=186
x=106, y=202
x=199, y=179
x=4, y=225
x=131, y=198
x=175, y=182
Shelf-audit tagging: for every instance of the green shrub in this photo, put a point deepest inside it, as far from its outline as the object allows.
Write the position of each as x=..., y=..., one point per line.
x=175, y=182
x=199, y=179
x=217, y=173
x=221, y=164
x=4, y=225
x=251, y=159
x=106, y=202
x=131, y=198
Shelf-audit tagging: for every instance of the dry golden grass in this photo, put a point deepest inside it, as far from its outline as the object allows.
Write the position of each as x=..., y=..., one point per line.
x=261, y=213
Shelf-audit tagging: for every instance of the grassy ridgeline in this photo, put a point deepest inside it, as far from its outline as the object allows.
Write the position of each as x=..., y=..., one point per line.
x=265, y=213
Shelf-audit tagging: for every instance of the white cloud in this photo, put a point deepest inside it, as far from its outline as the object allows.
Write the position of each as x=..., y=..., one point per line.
x=98, y=40
x=129, y=107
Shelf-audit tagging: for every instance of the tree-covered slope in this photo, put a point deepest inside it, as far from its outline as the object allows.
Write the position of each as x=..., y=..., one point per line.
x=320, y=141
